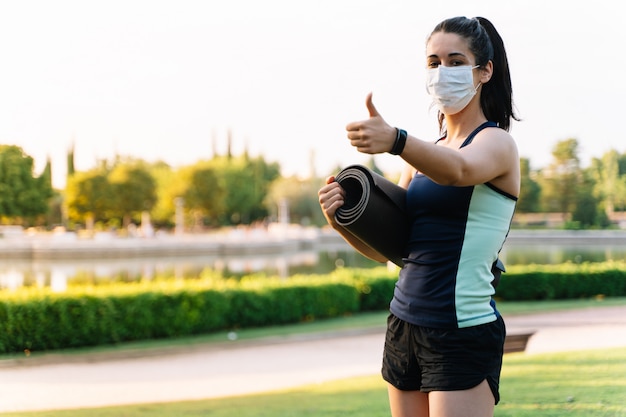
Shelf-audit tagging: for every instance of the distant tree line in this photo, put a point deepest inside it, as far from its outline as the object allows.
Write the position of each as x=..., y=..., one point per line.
x=586, y=197
x=232, y=190
x=221, y=191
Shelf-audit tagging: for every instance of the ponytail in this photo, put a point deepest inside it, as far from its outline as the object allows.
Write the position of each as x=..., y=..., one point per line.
x=496, y=99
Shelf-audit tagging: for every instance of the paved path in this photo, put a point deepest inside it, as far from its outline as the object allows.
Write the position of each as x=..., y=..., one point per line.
x=243, y=368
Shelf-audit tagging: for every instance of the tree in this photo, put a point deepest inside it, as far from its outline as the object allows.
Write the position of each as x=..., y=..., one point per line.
x=246, y=183
x=23, y=196
x=561, y=178
x=300, y=197
x=88, y=195
x=133, y=190
x=71, y=169
x=588, y=211
x=162, y=213
x=528, y=201
x=609, y=174
x=203, y=192
x=606, y=175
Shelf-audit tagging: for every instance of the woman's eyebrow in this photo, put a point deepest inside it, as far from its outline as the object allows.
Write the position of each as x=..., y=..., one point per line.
x=450, y=55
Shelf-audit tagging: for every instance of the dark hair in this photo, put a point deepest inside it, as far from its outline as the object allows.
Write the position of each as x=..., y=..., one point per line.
x=485, y=43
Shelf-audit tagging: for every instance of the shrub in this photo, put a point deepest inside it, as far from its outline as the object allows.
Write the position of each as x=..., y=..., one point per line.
x=555, y=282
x=42, y=320
x=38, y=319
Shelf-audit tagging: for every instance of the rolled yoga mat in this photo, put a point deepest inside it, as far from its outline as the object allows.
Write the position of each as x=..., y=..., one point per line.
x=374, y=211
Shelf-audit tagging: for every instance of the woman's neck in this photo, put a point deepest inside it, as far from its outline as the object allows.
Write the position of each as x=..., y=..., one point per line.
x=460, y=125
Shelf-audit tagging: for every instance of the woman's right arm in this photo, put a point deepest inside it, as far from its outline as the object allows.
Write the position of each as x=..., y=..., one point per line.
x=331, y=197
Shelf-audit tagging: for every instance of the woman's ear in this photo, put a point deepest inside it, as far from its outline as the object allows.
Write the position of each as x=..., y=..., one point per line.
x=486, y=72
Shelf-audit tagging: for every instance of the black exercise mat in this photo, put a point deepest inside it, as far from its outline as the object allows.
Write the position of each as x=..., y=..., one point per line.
x=374, y=211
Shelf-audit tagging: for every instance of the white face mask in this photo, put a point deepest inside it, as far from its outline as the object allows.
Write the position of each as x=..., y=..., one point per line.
x=451, y=88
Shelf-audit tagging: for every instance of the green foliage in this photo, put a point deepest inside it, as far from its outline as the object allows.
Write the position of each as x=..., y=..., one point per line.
x=530, y=191
x=22, y=195
x=120, y=191
x=247, y=182
x=231, y=190
x=375, y=286
x=88, y=195
x=85, y=316
x=216, y=192
x=300, y=196
x=280, y=303
x=221, y=191
x=133, y=190
x=203, y=190
x=566, y=281
x=37, y=319
x=162, y=214
x=560, y=180
x=588, y=211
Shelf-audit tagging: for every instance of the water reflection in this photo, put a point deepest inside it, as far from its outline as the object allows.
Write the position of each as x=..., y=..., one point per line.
x=516, y=254
x=58, y=274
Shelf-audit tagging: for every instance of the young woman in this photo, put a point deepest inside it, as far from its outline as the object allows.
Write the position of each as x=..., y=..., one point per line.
x=444, y=343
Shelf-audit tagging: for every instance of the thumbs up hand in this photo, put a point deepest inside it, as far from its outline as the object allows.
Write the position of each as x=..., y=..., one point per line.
x=372, y=135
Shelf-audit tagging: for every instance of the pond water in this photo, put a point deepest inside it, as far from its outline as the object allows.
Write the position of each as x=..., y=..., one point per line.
x=559, y=253
x=58, y=274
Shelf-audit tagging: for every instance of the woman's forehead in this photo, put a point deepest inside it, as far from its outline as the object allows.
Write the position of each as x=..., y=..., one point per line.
x=442, y=44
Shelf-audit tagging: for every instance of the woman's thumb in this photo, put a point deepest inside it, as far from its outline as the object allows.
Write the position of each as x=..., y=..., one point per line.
x=370, y=106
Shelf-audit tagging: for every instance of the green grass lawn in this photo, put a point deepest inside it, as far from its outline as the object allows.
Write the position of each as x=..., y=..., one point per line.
x=586, y=383
x=573, y=384
x=531, y=307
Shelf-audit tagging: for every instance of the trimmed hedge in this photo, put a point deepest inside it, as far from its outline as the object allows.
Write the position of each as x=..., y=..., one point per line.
x=565, y=281
x=41, y=320
x=38, y=319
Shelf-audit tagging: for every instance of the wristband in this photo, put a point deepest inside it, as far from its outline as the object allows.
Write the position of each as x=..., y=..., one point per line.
x=398, y=145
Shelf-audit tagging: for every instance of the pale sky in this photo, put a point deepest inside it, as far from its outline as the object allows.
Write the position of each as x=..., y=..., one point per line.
x=159, y=80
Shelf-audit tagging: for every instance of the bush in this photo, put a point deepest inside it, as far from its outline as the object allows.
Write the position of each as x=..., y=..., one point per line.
x=375, y=287
x=41, y=320
x=566, y=281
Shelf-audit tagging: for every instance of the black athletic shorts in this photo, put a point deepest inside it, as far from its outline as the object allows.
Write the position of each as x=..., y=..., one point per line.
x=426, y=359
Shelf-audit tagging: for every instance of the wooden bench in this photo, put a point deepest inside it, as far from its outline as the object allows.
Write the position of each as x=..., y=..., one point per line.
x=516, y=342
